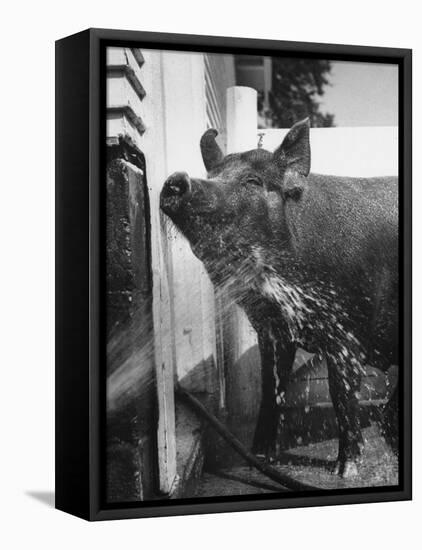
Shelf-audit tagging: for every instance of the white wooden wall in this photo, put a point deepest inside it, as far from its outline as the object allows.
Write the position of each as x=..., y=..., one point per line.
x=125, y=93
x=140, y=116
x=166, y=124
x=175, y=119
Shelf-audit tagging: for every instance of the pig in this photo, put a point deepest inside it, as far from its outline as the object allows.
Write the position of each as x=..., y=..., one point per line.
x=312, y=260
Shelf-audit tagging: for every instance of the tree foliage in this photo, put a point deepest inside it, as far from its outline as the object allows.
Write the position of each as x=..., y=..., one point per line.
x=297, y=86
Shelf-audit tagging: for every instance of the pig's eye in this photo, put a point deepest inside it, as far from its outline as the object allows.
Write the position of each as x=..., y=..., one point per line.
x=254, y=181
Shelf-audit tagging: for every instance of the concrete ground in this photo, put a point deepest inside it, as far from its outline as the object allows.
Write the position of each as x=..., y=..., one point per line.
x=310, y=464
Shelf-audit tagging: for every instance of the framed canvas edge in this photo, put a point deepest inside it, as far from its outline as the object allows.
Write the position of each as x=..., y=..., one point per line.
x=224, y=43
x=242, y=505
x=72, y=367
x=98, y=37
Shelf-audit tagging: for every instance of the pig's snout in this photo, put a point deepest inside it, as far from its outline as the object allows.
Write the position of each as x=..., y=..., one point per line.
x=178, y=184
x=175, y=189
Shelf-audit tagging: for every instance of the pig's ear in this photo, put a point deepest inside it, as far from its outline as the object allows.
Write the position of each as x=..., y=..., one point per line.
x=211, y=152
x=294, y=154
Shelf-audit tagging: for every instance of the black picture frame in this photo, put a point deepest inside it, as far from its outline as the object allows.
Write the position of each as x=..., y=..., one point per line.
x=80, y=103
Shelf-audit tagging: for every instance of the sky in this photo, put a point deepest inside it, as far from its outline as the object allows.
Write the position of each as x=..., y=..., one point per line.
x=362, y=94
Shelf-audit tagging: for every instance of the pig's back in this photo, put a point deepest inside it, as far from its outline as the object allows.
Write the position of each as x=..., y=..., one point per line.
x=346, y=224
x=346, y=230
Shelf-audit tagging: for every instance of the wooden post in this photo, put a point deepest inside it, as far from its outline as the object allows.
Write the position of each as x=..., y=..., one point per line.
x=242, y=355
x=242, y=119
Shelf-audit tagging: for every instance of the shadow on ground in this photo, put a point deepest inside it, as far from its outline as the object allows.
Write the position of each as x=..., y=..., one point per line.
x=45, y=497
x=311, y=464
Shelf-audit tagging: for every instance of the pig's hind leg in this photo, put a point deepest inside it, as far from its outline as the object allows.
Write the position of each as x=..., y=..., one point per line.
x=276, y=364
x=344, y=383
x=389, y=422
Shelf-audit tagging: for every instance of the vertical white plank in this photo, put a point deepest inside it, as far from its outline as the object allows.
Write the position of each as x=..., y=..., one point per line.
x=242, y=119
x=192, y=292
x=242, y=123
x=243, y=371
x=156, y=165
x=184, y=320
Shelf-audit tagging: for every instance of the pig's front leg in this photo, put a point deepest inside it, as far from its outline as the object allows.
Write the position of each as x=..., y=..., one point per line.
x=344, y=383
x=276, y=364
